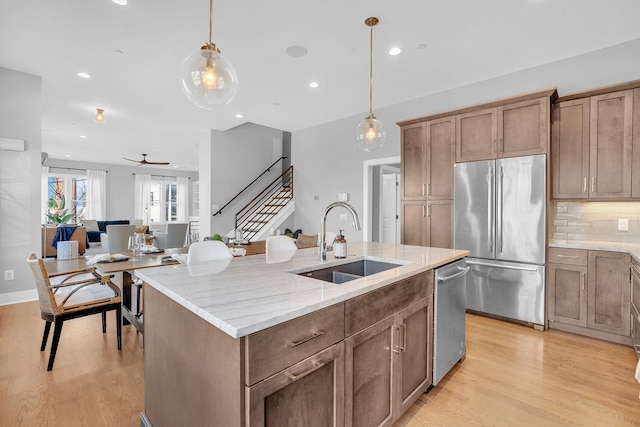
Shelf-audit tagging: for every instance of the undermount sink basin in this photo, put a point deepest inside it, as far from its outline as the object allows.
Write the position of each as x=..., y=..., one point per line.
x=353, y=270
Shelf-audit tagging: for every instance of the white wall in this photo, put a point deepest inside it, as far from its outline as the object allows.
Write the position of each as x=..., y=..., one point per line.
x=237, y=157
x=327, y=161
x=20, y=106
x=120, y=183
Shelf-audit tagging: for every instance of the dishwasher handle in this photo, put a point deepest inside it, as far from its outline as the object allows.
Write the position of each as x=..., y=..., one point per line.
x=506, y=267
x=462, y=272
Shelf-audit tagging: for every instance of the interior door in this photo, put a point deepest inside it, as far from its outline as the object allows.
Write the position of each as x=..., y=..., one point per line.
x=389, y=208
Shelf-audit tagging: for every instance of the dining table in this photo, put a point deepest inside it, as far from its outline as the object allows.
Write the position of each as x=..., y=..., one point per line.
x=129, y=263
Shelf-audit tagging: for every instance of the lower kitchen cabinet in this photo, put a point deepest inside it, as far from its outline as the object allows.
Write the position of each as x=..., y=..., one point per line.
x=589, y=292
x=389, y=366
x=427, y=223
x=309, y=393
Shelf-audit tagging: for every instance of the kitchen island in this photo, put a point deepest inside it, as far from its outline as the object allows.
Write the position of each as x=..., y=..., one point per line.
x=254, y=339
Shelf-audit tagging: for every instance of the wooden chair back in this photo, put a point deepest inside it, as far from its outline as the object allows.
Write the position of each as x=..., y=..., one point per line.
x=47, y=300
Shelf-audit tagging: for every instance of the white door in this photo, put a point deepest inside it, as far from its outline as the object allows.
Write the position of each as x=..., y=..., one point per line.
x=389, y=205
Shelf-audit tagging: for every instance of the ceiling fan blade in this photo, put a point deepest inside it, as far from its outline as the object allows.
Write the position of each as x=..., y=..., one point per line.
x=131, y=160
x=155, y=163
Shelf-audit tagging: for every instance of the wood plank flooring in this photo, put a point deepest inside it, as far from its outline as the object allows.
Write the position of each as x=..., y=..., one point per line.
x=512, y=376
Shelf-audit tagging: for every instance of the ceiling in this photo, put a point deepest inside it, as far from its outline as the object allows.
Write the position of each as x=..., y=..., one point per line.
x=134, y=53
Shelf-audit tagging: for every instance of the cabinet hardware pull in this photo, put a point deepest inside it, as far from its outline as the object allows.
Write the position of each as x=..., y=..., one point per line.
x=593, y=184
x=584, y=185
x=428, y=189
x=428, y=211
x=567, y=256
x=424, y=192
x=584, y=279
x=315, y=367
x=395, y=332
x=403, y=337
x=315, y=335
x=424, y=211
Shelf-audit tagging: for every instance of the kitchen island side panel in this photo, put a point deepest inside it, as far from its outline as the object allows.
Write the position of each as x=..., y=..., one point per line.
x=193, y=371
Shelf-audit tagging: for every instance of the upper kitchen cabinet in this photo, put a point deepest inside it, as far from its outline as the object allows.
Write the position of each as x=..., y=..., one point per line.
x=427, y=159
x=592, y=146
x=510, y=129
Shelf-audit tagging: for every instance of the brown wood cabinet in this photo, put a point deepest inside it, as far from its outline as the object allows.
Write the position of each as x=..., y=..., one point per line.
x=427, y=223
x=389, y=363
x=635, y=163
x=592, y=147
x=427, y=160
x=510, y=130
x=609, y=292
x=589, y=292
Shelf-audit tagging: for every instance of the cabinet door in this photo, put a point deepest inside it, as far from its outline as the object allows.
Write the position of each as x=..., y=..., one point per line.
x=570, y=149
x=440, y=158
x=368, y=375
x=610, y=145
x=416, y=352
x=567, y=298
x=609, y=292
x=476, y=135
x=413, y=223
x=635, y=168
x=413, y=161
x=440, y=224
x=310, y=393
x=523, y=128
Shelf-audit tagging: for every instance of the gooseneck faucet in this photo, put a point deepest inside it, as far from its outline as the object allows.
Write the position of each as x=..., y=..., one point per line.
x=322, y=247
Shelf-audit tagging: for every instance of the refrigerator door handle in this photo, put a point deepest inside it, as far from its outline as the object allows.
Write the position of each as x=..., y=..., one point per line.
x=500, y=213
x=490, y=218
x=506, y=267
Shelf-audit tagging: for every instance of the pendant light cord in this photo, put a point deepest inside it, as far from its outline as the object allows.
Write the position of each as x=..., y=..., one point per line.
x=210, y=19
x=370, y=71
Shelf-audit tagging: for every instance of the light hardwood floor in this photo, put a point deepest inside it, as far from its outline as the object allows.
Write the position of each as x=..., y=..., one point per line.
x=512, y=376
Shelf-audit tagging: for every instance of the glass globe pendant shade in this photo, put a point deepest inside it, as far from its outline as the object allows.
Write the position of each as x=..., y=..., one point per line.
x=371, y=134
x=208, y=78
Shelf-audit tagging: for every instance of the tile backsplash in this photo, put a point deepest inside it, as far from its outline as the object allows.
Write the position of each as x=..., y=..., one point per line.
x=595, y=221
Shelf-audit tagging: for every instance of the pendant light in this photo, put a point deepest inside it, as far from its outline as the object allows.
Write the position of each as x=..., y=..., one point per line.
x=371, y=133
x=208, y=79
x=99, y=115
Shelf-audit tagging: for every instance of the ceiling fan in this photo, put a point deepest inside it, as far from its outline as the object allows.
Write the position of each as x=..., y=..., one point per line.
x=144, y=161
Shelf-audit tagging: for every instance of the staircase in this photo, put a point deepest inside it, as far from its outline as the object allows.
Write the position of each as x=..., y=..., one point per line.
x=268, y=209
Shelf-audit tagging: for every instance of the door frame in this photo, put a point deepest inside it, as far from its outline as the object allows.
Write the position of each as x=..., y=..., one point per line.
x=367, y=193
x=389, y=171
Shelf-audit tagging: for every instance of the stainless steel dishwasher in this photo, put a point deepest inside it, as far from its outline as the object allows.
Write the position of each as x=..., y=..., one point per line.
x=450, y=295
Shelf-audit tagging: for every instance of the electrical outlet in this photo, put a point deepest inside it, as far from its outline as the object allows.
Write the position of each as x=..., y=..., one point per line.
x=343, y=217
x=344, y=197
x=8, y=275
x=623, y=224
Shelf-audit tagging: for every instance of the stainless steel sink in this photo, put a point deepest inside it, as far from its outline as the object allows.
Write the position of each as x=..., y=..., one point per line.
x=353, y=270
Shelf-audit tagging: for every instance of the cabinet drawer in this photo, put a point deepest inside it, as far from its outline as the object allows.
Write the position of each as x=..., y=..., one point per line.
x=635, y=284
x=568, y=256
x=367, y=309
x=274, y=349
x=635, y=330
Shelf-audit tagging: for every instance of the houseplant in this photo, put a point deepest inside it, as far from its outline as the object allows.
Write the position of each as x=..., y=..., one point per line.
x=56, y=212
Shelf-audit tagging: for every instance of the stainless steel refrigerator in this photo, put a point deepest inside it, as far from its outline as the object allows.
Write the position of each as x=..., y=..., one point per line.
x=500, y=218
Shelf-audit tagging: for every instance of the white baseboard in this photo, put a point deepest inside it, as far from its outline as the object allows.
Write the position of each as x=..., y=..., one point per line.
x=16, y=297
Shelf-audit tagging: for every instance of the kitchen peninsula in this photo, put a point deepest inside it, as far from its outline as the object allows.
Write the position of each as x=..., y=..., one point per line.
x=250, y=340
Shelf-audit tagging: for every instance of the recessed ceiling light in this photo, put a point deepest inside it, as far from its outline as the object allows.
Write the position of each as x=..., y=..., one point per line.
x=67, y=155
x=296, y=51
x=120, y=2
x=83, y=136
x=175, y=166
x=395, y=51
x=314, y=84
x=84, y=75
x=239, y=116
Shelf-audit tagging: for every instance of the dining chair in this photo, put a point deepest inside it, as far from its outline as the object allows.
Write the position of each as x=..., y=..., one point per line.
x=207, y=250
x=116, y=239
x=69, y=296
x=280, y=244
x=175, y=236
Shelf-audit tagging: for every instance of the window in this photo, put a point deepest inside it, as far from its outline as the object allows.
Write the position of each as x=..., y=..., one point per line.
x=74, y=190
x=163, y=203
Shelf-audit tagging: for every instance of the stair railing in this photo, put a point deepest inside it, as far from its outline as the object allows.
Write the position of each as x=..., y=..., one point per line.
x=265, y=205
x=219, y=211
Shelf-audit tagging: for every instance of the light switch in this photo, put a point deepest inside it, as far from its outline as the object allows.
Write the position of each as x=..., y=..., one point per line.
x=343, y=217
x=623, y=224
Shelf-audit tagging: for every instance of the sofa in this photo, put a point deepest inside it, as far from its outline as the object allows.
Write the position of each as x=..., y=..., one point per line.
x=79, y=234
x=95, y=228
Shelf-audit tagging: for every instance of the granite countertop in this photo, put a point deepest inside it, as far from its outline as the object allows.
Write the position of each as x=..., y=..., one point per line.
x=244, y=295
x=632, y=249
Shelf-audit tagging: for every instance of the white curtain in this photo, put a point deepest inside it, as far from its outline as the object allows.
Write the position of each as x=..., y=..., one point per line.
x=142, y=195
x=182, y=199
x=96, y=195
x=44, y=193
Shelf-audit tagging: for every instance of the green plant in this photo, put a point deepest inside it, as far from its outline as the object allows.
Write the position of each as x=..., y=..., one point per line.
x=56, y=212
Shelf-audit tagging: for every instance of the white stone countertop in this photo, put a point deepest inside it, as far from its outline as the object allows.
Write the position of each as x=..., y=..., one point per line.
x=248, y=294
x=632, y=249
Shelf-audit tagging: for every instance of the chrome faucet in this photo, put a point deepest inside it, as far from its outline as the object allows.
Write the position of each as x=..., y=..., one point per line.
x=322, y=247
